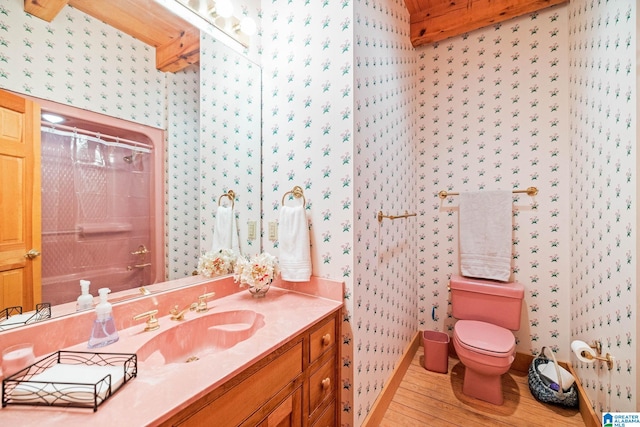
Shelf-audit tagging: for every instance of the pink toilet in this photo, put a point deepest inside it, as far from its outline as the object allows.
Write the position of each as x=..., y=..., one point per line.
x=487, y=312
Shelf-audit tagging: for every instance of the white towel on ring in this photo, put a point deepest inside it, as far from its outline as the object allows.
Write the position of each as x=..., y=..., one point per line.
x=295, y=244
x=486, y=234
x=225, y=231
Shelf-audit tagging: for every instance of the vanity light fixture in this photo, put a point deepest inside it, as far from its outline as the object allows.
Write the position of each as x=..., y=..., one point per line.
x=215, y=17
x=222, y=8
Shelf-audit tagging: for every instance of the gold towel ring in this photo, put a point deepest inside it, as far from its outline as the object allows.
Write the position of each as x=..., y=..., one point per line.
x=297, y=193
x=230, y=195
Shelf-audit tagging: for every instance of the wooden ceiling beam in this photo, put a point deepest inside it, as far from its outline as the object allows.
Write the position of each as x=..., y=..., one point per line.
x=436, y=20
x=44, y=9
x=177, y=42
x=180, y=52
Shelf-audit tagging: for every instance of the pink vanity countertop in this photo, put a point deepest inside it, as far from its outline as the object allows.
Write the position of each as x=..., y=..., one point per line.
x=160, y=391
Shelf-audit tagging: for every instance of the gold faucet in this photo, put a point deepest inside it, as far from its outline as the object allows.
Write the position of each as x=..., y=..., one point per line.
x=177, y=314
x=201, y=305
x=152, y=322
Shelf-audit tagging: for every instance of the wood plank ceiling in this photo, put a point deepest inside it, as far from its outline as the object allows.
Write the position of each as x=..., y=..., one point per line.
x=177, y=42
x=435, y=20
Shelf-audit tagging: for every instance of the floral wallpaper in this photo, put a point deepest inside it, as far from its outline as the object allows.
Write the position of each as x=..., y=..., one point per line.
x=495, y=117
x=80, y=61
x=182, y=173
x=489, y=109
x=366, y=123
x=603, y=193
x=337, y=99
x=230, y=131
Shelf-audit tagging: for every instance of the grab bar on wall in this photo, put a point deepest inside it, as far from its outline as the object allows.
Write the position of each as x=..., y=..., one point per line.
x=406, y=214
x=131, y=267
x=531, y=191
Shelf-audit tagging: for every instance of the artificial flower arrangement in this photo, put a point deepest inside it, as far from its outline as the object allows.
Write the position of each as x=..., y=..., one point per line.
x=216, y=263
x=256, y=272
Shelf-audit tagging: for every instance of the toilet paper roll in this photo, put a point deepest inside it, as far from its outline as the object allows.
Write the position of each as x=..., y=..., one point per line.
x=578, y=347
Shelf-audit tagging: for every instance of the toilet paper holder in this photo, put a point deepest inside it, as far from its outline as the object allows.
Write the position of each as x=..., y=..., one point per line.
x=597, y=346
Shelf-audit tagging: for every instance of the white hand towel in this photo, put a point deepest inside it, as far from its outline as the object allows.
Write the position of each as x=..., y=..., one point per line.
x=295, y=247
x=486, y=234
x=225, y=231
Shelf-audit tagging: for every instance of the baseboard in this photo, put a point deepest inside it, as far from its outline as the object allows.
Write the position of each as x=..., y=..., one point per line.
x=586, y=411
x=521, y=363
x=381, y=404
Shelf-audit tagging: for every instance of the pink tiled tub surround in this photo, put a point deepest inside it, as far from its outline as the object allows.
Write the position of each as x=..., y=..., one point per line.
x=161, y=389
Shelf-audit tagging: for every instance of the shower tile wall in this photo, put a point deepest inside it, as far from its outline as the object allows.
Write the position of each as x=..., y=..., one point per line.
x=80, y=192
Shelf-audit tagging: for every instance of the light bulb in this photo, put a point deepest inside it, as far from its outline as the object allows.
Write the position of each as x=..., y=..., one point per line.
x=248, y=26
x=52, y=118
x=224, y=8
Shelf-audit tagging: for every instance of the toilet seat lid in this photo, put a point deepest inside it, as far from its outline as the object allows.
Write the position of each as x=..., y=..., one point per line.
x=484, y=337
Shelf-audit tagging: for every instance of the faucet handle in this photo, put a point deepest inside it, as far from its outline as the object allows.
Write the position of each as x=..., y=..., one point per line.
x=202, y=302
x=152, y=322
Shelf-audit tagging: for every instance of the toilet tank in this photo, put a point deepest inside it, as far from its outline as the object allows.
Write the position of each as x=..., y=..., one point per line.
x=488, y=301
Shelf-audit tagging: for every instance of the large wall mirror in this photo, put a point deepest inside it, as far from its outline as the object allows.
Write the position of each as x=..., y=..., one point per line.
x=137, y=63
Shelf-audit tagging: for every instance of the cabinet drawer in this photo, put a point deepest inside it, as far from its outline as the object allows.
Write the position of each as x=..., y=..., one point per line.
x=322, y=339
x=328, y=417
x=321, y=385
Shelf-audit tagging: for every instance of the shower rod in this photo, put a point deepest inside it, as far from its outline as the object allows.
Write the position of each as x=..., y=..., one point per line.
x=99, y=137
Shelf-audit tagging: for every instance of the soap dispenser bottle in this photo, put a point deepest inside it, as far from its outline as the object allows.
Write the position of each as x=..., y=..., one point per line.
x=85, y=300
x=104, y=328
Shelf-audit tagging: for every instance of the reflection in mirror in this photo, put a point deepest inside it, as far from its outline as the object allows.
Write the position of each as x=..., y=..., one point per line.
x=98, y=204
x=209, y=112
x=12, y=317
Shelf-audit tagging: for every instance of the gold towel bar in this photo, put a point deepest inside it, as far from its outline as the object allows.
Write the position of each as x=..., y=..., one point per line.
x=531, y=191
x=297, y=193
x=381, y=216
x=231, y=195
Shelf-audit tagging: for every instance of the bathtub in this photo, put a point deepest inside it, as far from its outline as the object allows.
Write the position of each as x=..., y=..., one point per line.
x=64, y=288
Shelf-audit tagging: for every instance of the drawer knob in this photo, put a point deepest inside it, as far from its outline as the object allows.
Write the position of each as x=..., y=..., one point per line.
x=326, y=383
x=326, y=339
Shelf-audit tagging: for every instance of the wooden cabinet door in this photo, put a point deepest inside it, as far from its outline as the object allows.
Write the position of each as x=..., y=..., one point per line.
x=288, y=413
x=20, y=214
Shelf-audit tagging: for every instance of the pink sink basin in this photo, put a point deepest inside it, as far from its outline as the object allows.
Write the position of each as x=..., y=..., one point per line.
x=199, y=337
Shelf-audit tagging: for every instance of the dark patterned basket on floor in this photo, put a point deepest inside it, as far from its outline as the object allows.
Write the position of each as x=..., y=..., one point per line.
x=543, y=392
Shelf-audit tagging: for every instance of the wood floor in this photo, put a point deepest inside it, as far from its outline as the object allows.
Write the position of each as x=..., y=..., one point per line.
x=429, y=399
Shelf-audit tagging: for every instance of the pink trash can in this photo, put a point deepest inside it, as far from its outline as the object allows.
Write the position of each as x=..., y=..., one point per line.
x=436, y=351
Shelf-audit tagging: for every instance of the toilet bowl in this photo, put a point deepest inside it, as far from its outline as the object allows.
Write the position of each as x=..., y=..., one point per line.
x=487, y=313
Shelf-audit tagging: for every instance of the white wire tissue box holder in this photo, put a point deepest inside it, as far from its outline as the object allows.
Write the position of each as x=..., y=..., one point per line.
x=70, y=379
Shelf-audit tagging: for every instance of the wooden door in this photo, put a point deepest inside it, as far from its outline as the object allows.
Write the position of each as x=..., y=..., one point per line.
x=20, y=206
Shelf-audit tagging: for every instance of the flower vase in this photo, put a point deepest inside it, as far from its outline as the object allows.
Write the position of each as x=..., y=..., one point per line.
x=259, y=292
